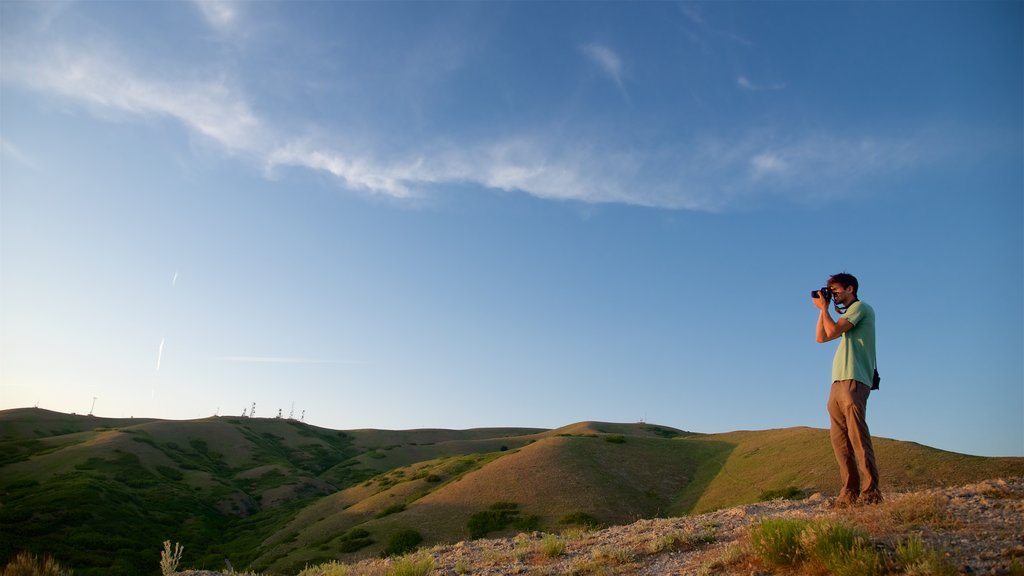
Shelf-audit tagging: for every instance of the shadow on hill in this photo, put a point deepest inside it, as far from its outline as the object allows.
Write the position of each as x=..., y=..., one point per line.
x=708, y=460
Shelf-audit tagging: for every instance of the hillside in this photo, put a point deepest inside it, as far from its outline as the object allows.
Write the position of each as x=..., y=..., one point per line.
x=970, y=529
x=275, y=495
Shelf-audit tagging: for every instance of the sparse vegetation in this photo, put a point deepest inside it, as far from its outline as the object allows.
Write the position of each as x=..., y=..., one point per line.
x=819, y=545
x=787, y=493
x=402, y=542
x=500, y=516
x=917, y=560
x=552, y=546
x=414, y=565
x=353, y=540
x=829, y=546
x=169, y=558
x=680, y=540
x=102, y=495
x=580, y=519
x=393, y=509
x=26, y=564
x=777, y=540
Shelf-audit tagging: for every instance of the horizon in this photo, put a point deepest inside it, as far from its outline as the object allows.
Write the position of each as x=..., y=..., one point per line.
x=443, y=428
x=410, y=215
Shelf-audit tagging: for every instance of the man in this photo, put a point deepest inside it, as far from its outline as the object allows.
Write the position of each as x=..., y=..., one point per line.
x=853, y=371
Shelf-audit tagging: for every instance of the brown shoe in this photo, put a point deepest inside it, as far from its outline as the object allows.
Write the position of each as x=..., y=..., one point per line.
x=870, y=497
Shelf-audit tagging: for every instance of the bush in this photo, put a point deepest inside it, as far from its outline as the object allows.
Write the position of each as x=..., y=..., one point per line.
x=787, y=493
x=169, y=558
x=918, y=560
x=26, y=564
x=836, y=548
x=353, y=540
x=777, y=540
x=500, y=516
x=169, y=473
x=393, y=509
x=552, y=546
x=580, y=519
x=412, y=566
x=331, y=568
x=402, y=542
x=840, y=549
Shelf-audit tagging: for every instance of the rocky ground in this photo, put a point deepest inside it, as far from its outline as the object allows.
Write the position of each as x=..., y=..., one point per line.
x=974, y=529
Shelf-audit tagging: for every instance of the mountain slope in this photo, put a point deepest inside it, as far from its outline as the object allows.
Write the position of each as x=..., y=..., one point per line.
x=101, y=495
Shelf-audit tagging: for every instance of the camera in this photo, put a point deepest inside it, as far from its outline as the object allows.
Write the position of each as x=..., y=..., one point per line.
x=824, y=292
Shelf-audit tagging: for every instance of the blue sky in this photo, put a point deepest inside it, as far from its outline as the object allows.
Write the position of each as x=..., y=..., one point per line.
x=461, y=214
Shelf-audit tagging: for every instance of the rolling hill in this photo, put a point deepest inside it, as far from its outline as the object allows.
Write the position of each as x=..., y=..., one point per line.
x=273, y=495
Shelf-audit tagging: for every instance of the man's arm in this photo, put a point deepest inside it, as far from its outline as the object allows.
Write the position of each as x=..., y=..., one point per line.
x=828, y=329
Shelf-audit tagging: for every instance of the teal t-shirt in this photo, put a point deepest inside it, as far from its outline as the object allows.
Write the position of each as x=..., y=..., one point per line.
x=855, y=358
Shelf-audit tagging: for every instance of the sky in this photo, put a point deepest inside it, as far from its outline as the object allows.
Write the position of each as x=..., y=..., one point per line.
x=455, y=215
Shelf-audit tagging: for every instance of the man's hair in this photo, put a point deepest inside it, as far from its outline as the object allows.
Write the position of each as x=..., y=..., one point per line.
x=845, y=280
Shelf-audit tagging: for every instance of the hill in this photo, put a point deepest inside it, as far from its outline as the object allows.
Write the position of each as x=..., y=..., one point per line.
x=970, y=529
x=274, y=495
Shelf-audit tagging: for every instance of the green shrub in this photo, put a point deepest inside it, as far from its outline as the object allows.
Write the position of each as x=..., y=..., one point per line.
x=834, y=547
x=403, y=541
x=331, y=568
x=617, y=439
x=169, y=473
x=917, y=560
x=412, y=566
x=787, y=493
x=353, y=540
x=393, y=509
x=580, y=519
x=682, y=540
x=840, y=549
x=552, y=546
x=500, y=516
x=777, y=540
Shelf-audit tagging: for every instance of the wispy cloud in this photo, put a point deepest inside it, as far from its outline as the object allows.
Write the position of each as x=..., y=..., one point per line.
x=692, y=13
x=767, y=163
x=747, y=84
x=609, y=62
x=699, y=26
x=357, y=173
x=9, y=150
x=210, y=107
x=219, y=14
x=690, y=175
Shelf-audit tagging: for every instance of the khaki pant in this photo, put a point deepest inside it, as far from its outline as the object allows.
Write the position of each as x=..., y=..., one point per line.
x=851, y=441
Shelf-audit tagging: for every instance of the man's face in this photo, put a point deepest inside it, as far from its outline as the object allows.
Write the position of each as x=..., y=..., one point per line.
x=842, y=295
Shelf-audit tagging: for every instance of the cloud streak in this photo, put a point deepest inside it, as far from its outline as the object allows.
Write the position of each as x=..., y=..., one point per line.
x=159, y=354
x=210, y=107
x=699, y=175
x=608, y=61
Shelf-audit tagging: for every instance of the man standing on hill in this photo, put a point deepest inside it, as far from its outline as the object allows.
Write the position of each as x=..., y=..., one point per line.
x=853, y=371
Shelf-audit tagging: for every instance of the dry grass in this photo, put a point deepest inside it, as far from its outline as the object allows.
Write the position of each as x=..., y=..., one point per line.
x=903, y=514
x=26, y=564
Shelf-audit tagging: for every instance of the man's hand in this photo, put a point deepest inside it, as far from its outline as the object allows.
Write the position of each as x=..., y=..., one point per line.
x=819, y=302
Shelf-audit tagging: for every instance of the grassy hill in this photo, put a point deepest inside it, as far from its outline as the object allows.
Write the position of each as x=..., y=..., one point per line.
x=273, y=495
